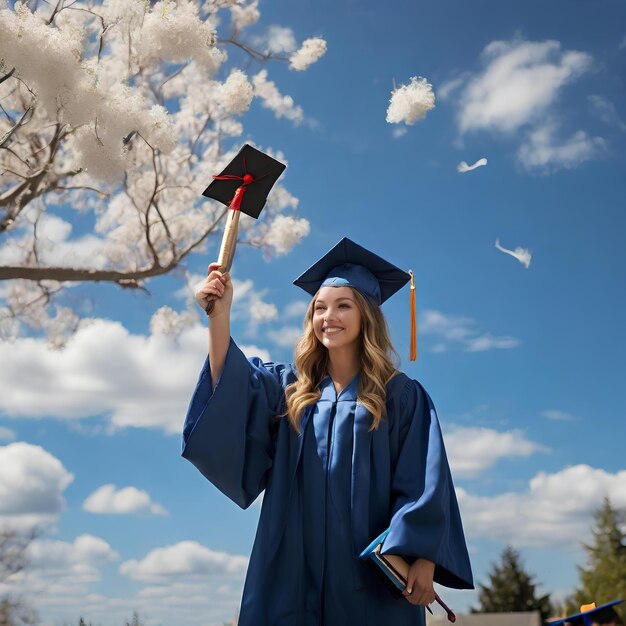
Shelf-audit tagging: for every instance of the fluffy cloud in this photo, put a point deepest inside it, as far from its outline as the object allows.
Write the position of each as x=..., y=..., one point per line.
x=32, y=482
x=519, y=82
x=135, y=380
x=187, y=559
x=474, y=450
x=556, y=509
x=543, y=152
x=451, y=330
x=74, y=562
x=108, y=499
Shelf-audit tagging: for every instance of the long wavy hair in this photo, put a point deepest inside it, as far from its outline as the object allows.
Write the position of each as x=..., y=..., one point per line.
x=377, y=356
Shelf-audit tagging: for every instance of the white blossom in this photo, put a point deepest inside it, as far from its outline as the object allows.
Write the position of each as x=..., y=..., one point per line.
x=283, y=106
x=410, y=103
x=310, y=52
x=173, y=31
x=236, y=93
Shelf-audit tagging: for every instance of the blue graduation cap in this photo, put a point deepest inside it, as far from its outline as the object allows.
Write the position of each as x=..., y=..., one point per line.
x=348, y=264
x=589, y=613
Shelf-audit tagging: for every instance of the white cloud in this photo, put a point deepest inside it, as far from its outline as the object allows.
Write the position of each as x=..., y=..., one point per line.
x=74, y=562
x=463, y=331
x=6, y=434
x=520, y=81
x=108, y=499
x=397, y=133
x=296, y=309
x=607, y=112
x=451, y=86
x=473, y=450
x=521, y=254
x=32, y=482
x=543, y=152
x=187, y=559
x=55, y=247
x=560, y=416
x=463, y=167
x=277, y=39
x=556, y=509
x=285, y=337
x=135, y=380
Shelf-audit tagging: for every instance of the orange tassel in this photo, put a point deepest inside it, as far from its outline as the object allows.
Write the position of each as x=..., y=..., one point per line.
x=413, y=349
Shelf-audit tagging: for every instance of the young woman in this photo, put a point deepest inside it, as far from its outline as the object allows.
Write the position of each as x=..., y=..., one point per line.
x=344, y=446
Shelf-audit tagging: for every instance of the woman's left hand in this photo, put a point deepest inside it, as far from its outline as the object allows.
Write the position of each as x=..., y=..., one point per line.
x=419, y=587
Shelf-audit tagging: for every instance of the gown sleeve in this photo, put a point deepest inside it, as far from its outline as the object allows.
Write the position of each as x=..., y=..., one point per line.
x=426, y=522
x=229, y=433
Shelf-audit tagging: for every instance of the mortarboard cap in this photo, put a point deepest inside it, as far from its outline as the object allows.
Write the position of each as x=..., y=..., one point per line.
x=586, y=617
x=350, y=265
x=252, y=172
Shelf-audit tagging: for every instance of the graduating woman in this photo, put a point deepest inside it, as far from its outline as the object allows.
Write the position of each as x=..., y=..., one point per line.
x=343, y=445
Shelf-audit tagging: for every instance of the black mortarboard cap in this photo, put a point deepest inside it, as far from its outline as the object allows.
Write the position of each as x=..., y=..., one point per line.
x=251, y=170
x=588, y=613
x=348, y=264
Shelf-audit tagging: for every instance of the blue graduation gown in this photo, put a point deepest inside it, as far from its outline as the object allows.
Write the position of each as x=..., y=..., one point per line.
x=328, y=492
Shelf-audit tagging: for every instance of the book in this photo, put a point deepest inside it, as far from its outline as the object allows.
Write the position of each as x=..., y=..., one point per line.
x=393, y=570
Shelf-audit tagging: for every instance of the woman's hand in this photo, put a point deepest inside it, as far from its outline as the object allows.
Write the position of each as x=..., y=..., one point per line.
x=217, y=288
x=419, y=587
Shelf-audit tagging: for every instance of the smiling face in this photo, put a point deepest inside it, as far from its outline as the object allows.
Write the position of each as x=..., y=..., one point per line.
x=336, y=318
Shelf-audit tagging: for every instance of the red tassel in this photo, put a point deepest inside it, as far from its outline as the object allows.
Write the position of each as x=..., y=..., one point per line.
x=413, y=344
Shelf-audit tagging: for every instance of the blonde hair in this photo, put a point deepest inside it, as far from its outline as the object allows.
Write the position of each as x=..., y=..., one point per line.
x=376, y=355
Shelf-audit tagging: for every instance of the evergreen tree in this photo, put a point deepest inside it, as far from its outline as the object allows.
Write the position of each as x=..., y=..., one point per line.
x=604, y=578
x=511, y=589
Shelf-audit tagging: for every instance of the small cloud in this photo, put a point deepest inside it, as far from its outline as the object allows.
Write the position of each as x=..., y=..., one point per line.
x=109, y=500
x=520, y=81
x=6, y=434
x=606, y=111
x=463, y=167
x=277, y=39
x=560, y=416
x=396, y=133
x=450, y=86
x=473, y=450
x=410, y=103
x=521, y=254
x=543, y=152
x=296, y=309
x=285, y=337
x=454, y=329
x=187, y=559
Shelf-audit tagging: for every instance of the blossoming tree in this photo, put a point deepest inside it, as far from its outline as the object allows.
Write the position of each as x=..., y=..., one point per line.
x=114, y=115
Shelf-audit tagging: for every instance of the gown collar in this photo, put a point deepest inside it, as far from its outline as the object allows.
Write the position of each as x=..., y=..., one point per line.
x=349, y=392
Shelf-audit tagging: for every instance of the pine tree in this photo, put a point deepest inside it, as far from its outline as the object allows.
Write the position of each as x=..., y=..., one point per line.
x=604, y=578
x=511, y=589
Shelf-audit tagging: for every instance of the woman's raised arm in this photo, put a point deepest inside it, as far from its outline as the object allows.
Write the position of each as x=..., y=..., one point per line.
x=219, y=288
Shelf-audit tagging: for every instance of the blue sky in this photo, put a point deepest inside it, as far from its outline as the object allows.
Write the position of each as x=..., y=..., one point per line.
x=525, y=365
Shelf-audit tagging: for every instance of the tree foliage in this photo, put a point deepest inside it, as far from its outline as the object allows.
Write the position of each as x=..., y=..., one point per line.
x=114, y=115
x=604, y=577
x=13, y=560
x=511, y=589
